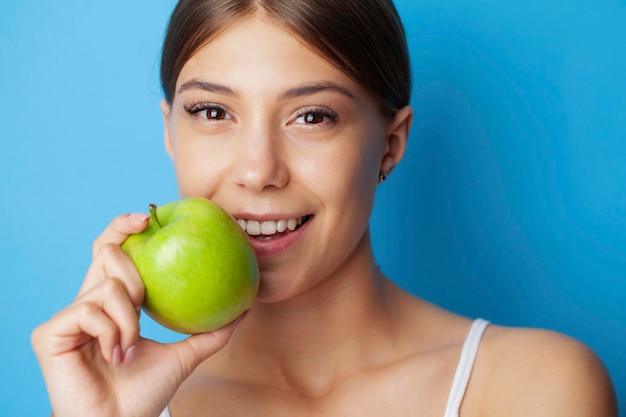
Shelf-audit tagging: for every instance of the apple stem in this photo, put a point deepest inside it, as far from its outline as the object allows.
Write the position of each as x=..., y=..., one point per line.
x=153, y=214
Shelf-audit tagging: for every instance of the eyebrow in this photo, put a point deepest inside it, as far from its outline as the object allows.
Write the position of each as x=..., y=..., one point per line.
x=195, y=84
x=305, y=90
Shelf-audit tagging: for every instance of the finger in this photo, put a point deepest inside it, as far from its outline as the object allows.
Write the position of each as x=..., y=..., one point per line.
x=75, y=326
x=119, y=229
x=113, y=262
x=112, y=297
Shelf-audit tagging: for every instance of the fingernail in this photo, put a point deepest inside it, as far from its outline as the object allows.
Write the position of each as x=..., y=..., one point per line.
x=117, y=355
x=129, y=356
x=138, y=217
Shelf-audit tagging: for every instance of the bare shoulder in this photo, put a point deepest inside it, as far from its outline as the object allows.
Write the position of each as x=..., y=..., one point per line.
x=539, y=372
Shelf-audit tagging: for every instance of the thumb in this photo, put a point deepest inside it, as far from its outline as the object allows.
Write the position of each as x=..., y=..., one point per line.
x=197, y=348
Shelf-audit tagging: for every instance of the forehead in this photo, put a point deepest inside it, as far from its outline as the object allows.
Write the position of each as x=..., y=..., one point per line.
x=261, y=50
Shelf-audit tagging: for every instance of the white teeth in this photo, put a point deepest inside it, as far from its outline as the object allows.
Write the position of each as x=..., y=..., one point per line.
x=268, y=227
x=253, y=227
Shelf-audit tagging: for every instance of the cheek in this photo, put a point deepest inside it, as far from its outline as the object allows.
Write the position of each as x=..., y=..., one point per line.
x=185, y=171
x=360, y=166
x=197, y=169
x=350, y=178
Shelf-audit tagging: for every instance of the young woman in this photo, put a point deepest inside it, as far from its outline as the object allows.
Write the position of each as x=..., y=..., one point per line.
x=280, y=110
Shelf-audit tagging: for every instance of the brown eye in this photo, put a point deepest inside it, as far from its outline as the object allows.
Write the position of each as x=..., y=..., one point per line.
x=209, y=111
x=315, y=117
x=215, y=113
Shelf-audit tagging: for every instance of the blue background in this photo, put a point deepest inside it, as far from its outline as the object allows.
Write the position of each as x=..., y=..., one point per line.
x=510, y=204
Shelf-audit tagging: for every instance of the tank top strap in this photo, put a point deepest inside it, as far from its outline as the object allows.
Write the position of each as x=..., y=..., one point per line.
x=465, y=366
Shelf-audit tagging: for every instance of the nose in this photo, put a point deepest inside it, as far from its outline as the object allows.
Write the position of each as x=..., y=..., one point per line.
x=259, y=160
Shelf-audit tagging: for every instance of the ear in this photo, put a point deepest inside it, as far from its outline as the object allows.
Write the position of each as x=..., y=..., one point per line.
x=397, y=136
x=165, y=110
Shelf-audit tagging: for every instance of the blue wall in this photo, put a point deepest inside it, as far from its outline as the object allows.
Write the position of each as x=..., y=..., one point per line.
x=510, y=204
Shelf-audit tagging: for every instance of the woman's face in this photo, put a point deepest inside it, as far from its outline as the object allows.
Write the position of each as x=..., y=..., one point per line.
x=286, y=143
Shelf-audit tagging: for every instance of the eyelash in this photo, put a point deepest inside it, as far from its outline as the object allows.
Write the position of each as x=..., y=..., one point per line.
x=195, y=108
x=317, y=112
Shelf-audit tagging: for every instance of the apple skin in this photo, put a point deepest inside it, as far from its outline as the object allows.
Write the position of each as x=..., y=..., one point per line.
x=197, y=265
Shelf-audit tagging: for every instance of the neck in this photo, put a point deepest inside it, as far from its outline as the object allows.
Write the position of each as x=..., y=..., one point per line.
x=340, y=327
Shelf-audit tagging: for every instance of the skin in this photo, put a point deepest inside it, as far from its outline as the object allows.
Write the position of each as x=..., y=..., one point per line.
x=329, y=334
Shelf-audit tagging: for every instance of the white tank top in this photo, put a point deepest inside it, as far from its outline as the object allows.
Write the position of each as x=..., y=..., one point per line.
x=462, y=374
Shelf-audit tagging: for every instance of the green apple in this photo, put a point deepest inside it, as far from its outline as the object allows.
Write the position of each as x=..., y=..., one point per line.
x=198, y=267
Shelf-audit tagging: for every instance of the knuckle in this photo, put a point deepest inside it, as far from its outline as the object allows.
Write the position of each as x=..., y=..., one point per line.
x=112, y=287
x=95, y=246
x=86, y=309
x=37, y=335
x=108, y=250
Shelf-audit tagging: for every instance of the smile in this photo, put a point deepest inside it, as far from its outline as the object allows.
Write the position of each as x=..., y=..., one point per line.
x=271, y=228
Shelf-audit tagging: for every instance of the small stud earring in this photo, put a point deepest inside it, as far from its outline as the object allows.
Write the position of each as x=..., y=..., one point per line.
x=381, y=177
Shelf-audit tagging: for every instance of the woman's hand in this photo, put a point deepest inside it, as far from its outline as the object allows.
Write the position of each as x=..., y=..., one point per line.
x=92, y=357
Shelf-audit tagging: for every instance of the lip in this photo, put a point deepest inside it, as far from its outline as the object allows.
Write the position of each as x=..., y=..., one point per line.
x=279, y=245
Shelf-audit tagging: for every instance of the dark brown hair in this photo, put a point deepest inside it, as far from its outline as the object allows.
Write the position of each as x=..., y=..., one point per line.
x=363, y=38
